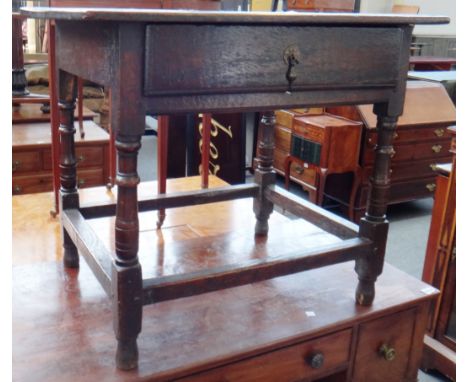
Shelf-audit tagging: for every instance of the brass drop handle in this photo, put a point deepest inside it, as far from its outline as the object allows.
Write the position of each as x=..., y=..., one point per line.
x=439, y=132
x=15, y=165
x=299, y=170
x=316, y=360
x=433, y=166
x=431, y=187
x=291, y=57
x=437, y=148
x=17, y=190
x=387, y=352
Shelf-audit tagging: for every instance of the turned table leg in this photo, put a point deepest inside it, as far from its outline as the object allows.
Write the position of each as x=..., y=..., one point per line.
x=374, y=224
x=126, y=272
x=264, y=174
x=163, y=142
x=68, y=189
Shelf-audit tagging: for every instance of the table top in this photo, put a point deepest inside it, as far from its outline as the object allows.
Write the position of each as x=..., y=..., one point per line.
x=191, y=16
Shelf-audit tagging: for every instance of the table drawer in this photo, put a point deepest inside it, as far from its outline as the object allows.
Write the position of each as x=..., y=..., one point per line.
x=403, y=135
x=230, y=60
x=311, y=359
x=383, y=348
x=26, y=161
x=29, y=184
x=90, y=178
x=309, y=132
x=300, y=174
x=415, y=151
x=87, y=156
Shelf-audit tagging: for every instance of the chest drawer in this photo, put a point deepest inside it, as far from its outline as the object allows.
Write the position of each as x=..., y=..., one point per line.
x=383, y=348
x=315, y=358
x=303, y=175
x=415, y=151
x=26, y=161
x=411, y=135
x=86, y=156
x=282, y=138
x=28, y=184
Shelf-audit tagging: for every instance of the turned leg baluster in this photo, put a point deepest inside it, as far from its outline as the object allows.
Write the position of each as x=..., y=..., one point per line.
x=126, y=277
x=264, y=174
x=374, y=225
x=68, y=189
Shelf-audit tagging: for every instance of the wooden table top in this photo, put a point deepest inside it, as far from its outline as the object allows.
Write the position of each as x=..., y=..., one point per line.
x=61, y=318
x=191, y=16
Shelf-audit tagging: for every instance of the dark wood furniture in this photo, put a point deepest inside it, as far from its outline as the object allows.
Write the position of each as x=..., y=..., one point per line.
x=302, y=59
x=421, y=141
x=440, y=271
x=328, y=145
x=32, y=157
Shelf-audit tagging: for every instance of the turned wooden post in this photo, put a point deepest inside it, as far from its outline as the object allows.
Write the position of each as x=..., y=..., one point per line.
x=126, y=277
x=374, y=224
x=163, y=142
x=19, y=82
x=68, y=189
x=264, y=174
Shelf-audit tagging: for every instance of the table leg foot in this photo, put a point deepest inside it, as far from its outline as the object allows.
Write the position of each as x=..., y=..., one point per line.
x=71, y=258
x=365, y=292
x=126, y=356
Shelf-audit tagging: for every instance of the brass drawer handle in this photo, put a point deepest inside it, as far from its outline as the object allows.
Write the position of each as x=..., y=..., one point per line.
x=299, y=170
x=431, y=187
x=17, y=190
x=437, y=148
x=439, y=132
x=433, y=166
x=387, y=352
x=316, y=360
x=81, y=158
x=15, y=165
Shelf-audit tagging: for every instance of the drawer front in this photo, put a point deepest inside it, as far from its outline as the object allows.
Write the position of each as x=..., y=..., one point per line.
x=328, y=354
x=282, y=138
x=285, y=117
x=411, y=170
x=299, y=174
x=321, y=5
x=26, y=161
x=229, y=59
x=383, y=348
x=88, y=156
x=30, y=184
x=310, y=132
x=403, y=135
x=90, y=178
x=417, y=151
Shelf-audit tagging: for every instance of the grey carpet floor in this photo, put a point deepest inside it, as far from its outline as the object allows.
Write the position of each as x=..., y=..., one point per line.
x=407, y=238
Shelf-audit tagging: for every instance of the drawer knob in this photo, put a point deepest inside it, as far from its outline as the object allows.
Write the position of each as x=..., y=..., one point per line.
x=316, y=360
x=433, y=166
x=15, y=165
x=387, y=352
x=81, y=158
x=395, y=135
x=437, y=148
x=431, y=187
x=439, y=132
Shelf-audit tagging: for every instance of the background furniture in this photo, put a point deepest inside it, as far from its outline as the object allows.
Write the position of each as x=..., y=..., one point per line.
x=440, y=271
x=329, y=145
x=158, y=39
x=32, y=157
x=303, y=326
x=448, y=78
x=421, y=141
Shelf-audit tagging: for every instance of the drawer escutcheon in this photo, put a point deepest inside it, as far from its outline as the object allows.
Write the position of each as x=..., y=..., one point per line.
x=316, y=360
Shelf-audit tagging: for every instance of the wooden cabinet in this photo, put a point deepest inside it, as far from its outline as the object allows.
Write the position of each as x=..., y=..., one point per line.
x=440, y=271
x=420, y=142
x=32, y=159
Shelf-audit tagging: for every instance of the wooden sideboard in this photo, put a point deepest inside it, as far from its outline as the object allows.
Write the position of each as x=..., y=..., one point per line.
x=421, y=141
x=32, y=159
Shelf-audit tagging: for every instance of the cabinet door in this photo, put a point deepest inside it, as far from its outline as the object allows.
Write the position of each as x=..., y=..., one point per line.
x=383, y=349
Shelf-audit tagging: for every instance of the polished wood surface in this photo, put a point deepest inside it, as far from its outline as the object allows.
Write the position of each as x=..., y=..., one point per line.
x=287, y=318
x=304, y=58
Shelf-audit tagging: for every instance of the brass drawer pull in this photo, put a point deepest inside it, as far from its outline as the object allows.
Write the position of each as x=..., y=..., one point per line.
x=433, y=166
x=81, y=158
x=316, y=360
x=431, y=187
x=299, y=170
x=387, y=352
x=437, y=148
x=15, y=165
x=17, y=190
x=439, y=132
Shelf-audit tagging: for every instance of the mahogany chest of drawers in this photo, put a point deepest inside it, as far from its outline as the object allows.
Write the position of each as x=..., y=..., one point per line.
x=32, y=159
